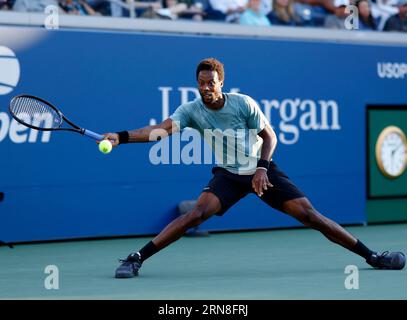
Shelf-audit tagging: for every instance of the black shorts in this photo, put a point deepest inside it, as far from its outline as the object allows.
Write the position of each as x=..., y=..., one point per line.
x=230, y=188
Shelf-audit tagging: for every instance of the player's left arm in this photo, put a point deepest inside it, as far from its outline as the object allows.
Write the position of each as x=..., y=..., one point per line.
x=269, y=142
x=260, y=181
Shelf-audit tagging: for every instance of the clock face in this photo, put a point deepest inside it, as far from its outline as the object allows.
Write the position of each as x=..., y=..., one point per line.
x=391, y=152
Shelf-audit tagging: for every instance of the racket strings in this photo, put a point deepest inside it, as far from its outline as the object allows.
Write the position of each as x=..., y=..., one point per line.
x=35, y=113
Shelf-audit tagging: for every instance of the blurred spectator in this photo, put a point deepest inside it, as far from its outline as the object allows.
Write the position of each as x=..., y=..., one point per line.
x=253, y=15
x=384, y=9
x=33, y=5
x=173, y=9
x=195, y=11
x=226, y=10
x=366, y=20
x=266, y=6
x=388, y=15
x=398, y=22
x=337, y=20
x=143, y=8
x=284, y=14
x=104, y=7
x=148, y=8
x=6, y=4
x=76, y=7
x=327, y=5
x=314, y=12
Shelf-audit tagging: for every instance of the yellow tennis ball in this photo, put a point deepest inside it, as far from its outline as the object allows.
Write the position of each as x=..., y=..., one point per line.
x=105, y=146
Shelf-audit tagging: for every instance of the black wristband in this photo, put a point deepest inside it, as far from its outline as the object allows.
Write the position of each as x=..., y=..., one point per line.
x=123, y=137
x=263, y=163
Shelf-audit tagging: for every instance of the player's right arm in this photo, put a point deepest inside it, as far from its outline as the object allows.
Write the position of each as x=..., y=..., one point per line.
x=145, y=134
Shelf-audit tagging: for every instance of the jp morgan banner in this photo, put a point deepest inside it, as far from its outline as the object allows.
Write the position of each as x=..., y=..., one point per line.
x=313, y=93
x=289, y=115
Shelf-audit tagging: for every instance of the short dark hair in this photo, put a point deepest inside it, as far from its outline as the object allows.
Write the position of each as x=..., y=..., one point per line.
x=211, y=64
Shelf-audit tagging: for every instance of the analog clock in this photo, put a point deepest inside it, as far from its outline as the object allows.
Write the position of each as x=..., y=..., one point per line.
x=391, y=152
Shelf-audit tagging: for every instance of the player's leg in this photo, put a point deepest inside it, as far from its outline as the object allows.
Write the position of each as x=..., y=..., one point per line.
x=302, y=210
x=286, y=197
x=207, y=205
x=222, y=192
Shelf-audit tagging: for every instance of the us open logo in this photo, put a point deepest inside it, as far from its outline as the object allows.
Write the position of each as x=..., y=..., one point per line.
x=9, y=70
x=392, y=70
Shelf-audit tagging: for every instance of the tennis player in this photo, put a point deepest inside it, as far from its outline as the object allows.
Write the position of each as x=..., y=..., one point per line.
x=232, y=179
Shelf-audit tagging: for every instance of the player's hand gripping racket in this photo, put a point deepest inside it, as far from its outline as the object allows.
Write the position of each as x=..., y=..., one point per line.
x=39, y=114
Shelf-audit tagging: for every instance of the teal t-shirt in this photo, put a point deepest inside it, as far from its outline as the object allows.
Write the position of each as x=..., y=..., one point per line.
x=230, y=131
x=251, y=18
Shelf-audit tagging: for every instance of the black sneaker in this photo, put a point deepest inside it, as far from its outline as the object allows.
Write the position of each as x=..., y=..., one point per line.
x=129, y=267
x=387, y=260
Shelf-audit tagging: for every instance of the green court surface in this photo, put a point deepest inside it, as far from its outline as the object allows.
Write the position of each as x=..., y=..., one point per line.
x=278, y=264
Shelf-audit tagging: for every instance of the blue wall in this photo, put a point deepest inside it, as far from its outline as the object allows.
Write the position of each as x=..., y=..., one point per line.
x=65, y=188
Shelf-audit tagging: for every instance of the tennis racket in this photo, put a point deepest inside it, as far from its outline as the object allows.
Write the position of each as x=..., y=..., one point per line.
x=38, y=114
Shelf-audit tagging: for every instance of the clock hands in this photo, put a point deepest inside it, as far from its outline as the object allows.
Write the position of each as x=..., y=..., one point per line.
x=393, y=158
x=392, y=154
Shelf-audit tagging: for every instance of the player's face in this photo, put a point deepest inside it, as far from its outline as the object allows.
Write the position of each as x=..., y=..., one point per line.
x=210, y=87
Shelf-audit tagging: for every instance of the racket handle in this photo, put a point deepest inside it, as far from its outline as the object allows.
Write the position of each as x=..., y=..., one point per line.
x=93, y=135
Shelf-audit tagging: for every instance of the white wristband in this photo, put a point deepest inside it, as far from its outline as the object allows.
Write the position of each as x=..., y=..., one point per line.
x=261, y=168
